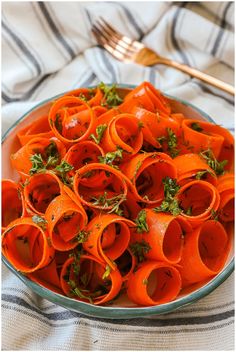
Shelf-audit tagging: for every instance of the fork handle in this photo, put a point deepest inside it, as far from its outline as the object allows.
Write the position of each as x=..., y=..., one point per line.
x=198, y=74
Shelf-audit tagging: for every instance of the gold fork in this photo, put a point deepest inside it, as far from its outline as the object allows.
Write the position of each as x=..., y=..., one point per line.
x=128, y=50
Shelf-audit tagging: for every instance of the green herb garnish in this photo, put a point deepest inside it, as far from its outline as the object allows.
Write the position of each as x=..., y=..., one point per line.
x=217, y=166
x=139, y=249
x=141, y=222
x=62, y=171
x=107, y=202
x=82, y=236
x=99, y=133
x=170, y=204
x=196, y=127
x=202, y=174
x=107, y=272
x=37, y=164
x=171, y=141
x=111, y=97
x=110, y=157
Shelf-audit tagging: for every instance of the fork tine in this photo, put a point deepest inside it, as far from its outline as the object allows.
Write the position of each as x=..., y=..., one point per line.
x=103, y=42
x=125, y=40
x=112, y=46
x=114, y=32
x=115, y=40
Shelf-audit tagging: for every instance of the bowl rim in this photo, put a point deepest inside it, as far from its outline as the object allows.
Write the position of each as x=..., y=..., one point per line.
x=113, y=312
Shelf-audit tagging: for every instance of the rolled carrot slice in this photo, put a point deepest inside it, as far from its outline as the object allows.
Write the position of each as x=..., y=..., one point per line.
x=40, y=190
x=148, y=97
x=13, y=205
x=146, y=172
x=154, y=125
x=84, y=280
x=154, y=283
x=123, y=131
x=202, y=139
x=165, y=237
x=26, y=245
x=46, y=147
x=47, y=277
x=191, y=166
x=38, y=129
x=92, y=96
x=71, y=128
x=66, y=220
x=96, y=194
x=83, y=153
x=204, y=252
x=226, y=190
x=198, y=200
x=108, y=237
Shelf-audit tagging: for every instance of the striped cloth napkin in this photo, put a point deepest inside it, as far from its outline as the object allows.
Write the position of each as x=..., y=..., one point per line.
x=48, y=48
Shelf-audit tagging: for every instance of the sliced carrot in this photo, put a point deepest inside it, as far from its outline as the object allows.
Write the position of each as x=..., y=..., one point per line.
x=191, y=166
x=44, y=146
x=108, y=246
x=40, y=190
x=226, y=190
x=71, y=128
x=92, y=96
x=66, y=220
x=146, y=172
x=26, y=245
x=13, y=205
x=206, y=138
x=204, y=252
x=96, y=195
x=199, y=201
x=154, y=283
x=37, y=129
x=164, y=236
x=89, y=289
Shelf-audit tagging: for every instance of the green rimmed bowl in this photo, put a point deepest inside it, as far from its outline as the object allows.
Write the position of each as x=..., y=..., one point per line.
x=120, y=310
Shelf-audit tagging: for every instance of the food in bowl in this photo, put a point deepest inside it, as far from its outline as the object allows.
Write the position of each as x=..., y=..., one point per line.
x=119, y=197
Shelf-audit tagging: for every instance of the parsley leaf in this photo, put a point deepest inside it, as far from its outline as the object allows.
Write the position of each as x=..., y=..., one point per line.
x=170, y=204
x=107, y=202
x=141, y=222
x=171, y=141
x=217, y=166
x=62, y=171
x=111, y=97
x=107, y=272
x=110, y=157
x=99, y=132
x=37, y=164
x=82, y=236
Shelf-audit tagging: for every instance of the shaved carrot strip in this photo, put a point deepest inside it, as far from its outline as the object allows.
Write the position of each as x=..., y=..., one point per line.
x=40, y=190
x=192, y=166
x=204, y=252
x=26, y=245
x=117, y=238
x=13, y=205
x=146, y=172
x=76, y=127
x=38, y=129
x=66, y=221
x=154, y=283
x=226, y=190
x=89, y=290
x=164, y=236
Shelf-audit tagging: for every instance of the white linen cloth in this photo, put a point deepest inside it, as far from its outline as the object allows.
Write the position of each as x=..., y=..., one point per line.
x=47, y=48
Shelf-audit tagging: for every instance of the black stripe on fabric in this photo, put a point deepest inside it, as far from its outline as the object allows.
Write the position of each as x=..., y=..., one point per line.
x=23, y=48
x=131, y=18
x=26, y=95
x=55, y=29
x=108, y=65
x=132, y=322
x=184, y=311
x=85, y=323
x=173, y=33
x=207, y=90
x=223, y=24
x=88, y=80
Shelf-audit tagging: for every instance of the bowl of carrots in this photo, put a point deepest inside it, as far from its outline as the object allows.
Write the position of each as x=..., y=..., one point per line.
x=118, y=201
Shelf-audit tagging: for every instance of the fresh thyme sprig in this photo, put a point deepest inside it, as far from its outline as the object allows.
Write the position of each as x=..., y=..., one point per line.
x=217, y=166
